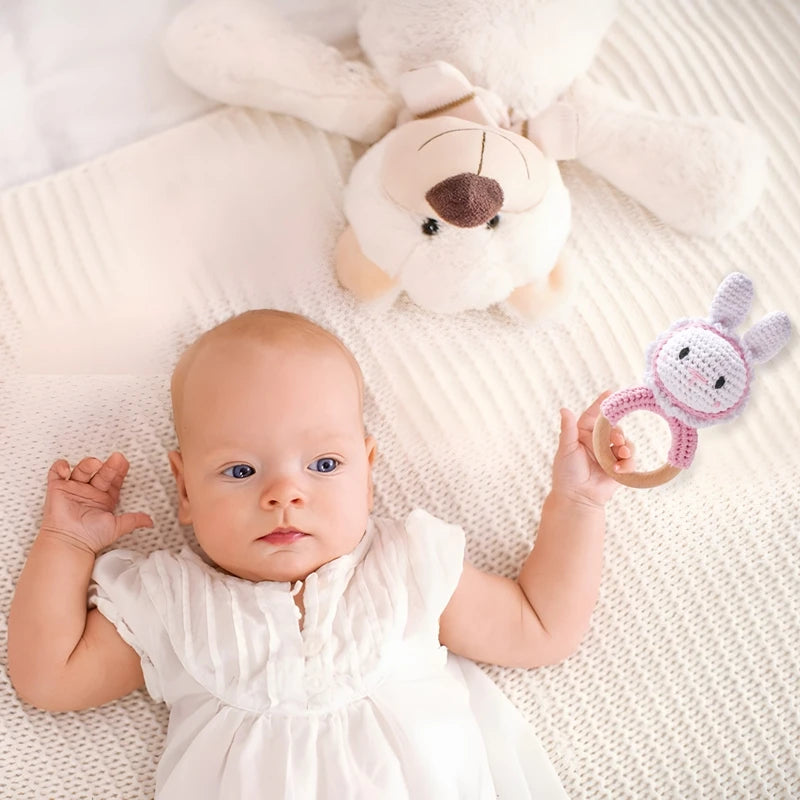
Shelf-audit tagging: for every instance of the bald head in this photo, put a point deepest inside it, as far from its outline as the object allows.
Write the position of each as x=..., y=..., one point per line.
x=261, y=327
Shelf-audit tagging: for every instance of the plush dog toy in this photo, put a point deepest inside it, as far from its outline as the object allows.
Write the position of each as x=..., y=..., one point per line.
x=698, y=374
x=469, y=104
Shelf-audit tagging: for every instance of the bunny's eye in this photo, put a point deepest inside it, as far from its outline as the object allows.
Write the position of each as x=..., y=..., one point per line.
x=720, y=382
x=683, y=353
x=493, y=222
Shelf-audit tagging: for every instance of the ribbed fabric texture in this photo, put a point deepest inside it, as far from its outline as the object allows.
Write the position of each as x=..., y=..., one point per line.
x=686, y=685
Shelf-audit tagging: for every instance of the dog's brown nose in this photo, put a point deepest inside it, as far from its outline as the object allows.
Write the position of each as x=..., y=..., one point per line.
x=466, y=200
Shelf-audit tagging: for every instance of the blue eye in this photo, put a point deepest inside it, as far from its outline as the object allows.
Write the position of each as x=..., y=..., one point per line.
x=239, y=471
x=326, y=464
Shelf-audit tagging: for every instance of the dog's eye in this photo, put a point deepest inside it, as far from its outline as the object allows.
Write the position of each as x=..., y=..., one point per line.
x=493, y=222
x=430, y=227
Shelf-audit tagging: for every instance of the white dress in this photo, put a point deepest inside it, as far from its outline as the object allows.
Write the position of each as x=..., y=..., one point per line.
x=362, y=703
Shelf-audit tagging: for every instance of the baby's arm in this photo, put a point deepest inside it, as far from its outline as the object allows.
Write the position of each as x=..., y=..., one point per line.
x=542, y=616
x=62, y=657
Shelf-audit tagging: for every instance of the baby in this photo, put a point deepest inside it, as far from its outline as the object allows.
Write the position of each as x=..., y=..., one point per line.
x=312, y=650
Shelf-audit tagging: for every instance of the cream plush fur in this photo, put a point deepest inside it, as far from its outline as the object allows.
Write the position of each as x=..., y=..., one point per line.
x=524, y=64
x=474, y=267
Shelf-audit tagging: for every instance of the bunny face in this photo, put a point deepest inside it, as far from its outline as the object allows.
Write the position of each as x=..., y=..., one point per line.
x=700, y=370
x=698, y=373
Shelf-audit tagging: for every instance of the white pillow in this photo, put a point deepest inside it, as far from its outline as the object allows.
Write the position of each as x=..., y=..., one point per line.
x=79, y=79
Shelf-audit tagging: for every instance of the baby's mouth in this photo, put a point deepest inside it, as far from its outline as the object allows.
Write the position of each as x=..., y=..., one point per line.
x=282, y=536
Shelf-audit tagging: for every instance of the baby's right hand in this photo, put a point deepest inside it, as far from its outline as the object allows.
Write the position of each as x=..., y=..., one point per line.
x=80, y=502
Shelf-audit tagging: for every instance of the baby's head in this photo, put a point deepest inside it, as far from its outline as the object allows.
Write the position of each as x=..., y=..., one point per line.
x=274, y=470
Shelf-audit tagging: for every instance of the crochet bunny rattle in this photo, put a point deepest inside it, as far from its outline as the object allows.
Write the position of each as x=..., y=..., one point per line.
x=698, y=373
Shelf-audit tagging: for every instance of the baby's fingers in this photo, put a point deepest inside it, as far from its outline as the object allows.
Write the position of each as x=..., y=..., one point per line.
x=111, y=473
x=620, y=446
x=131, y=520
x=84, y=470
x=587, y=420
x=59, y=471
x=624, y=454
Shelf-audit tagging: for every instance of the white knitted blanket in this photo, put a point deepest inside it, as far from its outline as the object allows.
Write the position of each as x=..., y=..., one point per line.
x=687, y=684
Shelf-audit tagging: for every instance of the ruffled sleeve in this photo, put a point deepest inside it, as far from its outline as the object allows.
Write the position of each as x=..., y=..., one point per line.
x=118, y=592
x=436, y=558
x=197, y=630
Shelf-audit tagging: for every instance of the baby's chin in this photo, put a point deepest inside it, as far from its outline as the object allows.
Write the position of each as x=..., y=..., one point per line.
x=283, y=566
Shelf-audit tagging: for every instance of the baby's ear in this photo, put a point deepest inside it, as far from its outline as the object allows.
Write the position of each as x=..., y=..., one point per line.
x=767, y=336
x=732, y=301
x=372, y=449
x=176, y=465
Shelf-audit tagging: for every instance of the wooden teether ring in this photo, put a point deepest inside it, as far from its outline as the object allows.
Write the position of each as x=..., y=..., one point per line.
x=601, y=441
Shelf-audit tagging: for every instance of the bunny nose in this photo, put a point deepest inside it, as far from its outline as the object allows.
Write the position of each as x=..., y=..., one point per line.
x=466, y=200
x=697, y=375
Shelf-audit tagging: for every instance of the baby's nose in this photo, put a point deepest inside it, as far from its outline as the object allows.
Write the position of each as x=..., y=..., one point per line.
x=281, y=492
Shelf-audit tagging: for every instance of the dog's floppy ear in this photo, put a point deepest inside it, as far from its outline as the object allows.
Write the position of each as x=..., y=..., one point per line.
x=554, y=131
x=364, y=278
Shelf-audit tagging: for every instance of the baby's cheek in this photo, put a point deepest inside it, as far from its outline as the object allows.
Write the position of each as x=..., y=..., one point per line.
x=217, y=517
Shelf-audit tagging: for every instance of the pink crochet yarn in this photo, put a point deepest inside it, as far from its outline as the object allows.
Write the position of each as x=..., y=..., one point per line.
x=640, y=398
x=699, y=371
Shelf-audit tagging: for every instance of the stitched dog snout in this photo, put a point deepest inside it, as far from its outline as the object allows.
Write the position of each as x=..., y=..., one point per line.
x=466, y=200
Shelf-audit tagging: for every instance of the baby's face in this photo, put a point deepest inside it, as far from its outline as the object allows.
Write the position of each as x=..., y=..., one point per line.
x=274, y=471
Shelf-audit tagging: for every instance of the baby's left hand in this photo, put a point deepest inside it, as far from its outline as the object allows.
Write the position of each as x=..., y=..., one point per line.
x=576, y=473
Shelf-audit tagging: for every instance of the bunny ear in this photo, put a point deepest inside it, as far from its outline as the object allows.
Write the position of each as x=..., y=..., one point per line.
x=732, y=301
x=767, y=336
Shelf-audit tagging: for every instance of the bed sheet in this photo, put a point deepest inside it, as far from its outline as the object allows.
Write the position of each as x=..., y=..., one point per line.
x=686, y=685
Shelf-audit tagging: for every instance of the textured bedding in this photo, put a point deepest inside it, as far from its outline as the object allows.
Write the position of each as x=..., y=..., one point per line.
x=687, y=683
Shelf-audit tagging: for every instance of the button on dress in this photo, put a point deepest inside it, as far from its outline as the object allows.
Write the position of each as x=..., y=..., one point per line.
x=361, y=702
